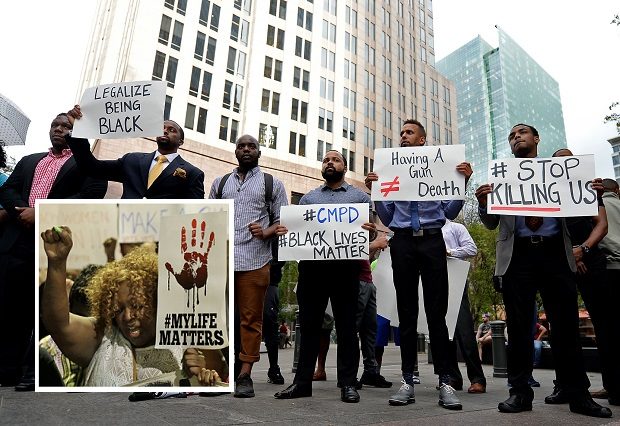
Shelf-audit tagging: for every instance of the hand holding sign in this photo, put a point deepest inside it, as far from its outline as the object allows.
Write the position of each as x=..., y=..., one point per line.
x=194, y=272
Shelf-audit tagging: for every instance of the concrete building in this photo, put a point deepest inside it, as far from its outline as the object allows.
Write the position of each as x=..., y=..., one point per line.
x=497, y=88
x=302, y=76
x=615, y=156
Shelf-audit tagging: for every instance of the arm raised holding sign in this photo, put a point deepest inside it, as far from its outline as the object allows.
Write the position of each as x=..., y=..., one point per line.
x=160, y=174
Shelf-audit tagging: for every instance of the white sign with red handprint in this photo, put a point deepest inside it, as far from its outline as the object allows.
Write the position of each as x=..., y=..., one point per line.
x=191, y=307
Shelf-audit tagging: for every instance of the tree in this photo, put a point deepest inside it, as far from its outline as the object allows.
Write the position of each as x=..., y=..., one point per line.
x=614, y=116
x=482, y=294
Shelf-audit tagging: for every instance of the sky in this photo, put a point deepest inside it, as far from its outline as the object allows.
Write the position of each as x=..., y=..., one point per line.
x=44, y=42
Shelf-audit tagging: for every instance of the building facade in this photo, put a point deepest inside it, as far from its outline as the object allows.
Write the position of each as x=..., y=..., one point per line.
x=301, y=76
x=615, y=156
x=497, y=88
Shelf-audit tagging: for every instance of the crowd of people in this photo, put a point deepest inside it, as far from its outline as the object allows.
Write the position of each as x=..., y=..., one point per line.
x=111, y=344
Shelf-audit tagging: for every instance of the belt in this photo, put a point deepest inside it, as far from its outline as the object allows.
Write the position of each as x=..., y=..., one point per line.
x=537, y=239
x=421, y=233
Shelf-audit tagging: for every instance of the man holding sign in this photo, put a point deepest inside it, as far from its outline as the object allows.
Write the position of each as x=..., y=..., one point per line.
x=337, y=280
x=535, y=254
x=418, y=248
x=162, y=174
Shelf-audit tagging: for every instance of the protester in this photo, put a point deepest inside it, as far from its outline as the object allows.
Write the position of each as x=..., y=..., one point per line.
x=418, y=249
x=335, y=280
x=162, y=174
x=459, y=244
x=535, y=254
x=285, y=335
x=115, y=344
x=46, y=175
x=610, y=246
x=256, y=217
x=272, y=334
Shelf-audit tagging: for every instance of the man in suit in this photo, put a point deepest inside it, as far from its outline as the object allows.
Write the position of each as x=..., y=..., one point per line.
x=535, y=254
x=162, y=174
x=45, y=175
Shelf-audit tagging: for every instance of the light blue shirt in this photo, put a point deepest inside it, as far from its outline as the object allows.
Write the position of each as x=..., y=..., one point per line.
x=433, y=214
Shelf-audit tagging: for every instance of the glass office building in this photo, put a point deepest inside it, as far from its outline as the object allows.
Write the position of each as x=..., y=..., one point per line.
x=497, y=88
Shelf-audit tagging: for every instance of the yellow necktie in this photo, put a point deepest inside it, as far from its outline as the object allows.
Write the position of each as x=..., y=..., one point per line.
x=156, y=170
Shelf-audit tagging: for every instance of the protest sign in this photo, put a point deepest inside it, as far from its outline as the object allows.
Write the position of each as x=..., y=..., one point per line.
x=122, y=110
x=421, y=173
x=91, y=224
x=324, y=232
x=191, y=309
x=546, y=187
x=386, y=294
x=139, y=223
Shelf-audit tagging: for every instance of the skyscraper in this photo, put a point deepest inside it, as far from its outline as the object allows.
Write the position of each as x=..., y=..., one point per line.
x=497, y=88
x=303, y=76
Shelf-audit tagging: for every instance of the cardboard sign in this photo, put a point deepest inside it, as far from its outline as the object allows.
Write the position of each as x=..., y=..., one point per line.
x=324, y=232
x=386, y=294
x=546, y=187
x=191, y=307
x=122, y=110
x=421, y=173
x=138, y=223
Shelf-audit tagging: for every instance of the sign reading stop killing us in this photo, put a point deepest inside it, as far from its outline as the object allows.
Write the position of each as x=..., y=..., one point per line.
x=546, y=187
x=324, y=232
x=421, y=173
x=122, y=110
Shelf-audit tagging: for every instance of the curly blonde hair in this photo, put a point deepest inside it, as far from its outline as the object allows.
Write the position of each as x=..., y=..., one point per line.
x=139, y=270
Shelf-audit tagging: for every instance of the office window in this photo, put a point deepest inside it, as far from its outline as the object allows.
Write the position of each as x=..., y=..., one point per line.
x=272, y=98
x=164, y=29
x=200, y=46
x=226, y=99
x=169, y=4
x=297, y=144
x=167, y=106
x=234, y=28
x=277, y=73
x=320, y=152
x=223, y=128
x=189, y=116
x=206, y=86
x=202, y=120
x=267, y=72
x=305, y=82
x=278, y=8
x=352, y=161
x=177, y=35
x=158, y=66
x=194, y=81
x=296, y=76
x=171, y=72
x=234, y=130
x=268, y=136
x=330, y=6
x=245, y=30
x=366, y=168
x=215, y=17
x=350, y=16
x=232, y=57
x=203, y=18
x=211, y=45
x=237, y=98
x=304, y=19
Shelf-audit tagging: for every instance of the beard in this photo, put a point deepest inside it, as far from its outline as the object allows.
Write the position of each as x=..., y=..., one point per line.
x=332, y=175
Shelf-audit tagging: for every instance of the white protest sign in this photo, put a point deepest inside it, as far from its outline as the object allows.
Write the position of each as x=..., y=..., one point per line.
x=546, y=187
x=421, y=173
x=91, y=223
x=122, y=110
x=139, y=223
x=386, y=294
x=324, y=232
x=191, y=295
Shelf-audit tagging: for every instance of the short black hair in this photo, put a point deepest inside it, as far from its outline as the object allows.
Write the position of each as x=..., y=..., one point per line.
x=417, y=123
x=610, y=185
x=532, y=128
x=344, y=159
x=562, y=149
x=181, y=132
x=2, y=155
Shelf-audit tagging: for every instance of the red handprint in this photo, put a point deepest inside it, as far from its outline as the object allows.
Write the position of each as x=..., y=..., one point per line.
x=194, y=273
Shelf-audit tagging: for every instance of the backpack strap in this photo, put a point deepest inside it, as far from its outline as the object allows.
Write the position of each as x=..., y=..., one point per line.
x=220, y=188
x=269, y=195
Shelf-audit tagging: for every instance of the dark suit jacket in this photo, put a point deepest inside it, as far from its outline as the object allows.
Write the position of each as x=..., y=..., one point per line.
x=69, y=183
x=506, y=237
x=132, y=171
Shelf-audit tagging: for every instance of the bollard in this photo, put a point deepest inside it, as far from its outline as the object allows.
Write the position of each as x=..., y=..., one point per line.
x=297, y=342
x=500, y=366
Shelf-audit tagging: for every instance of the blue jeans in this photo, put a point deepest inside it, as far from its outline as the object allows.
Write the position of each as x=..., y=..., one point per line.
x=537, y=352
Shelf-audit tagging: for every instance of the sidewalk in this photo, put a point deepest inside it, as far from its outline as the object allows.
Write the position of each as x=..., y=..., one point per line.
x=324, y=408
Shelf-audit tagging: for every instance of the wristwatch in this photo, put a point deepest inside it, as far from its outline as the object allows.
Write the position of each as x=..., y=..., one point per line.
x=585, y=248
